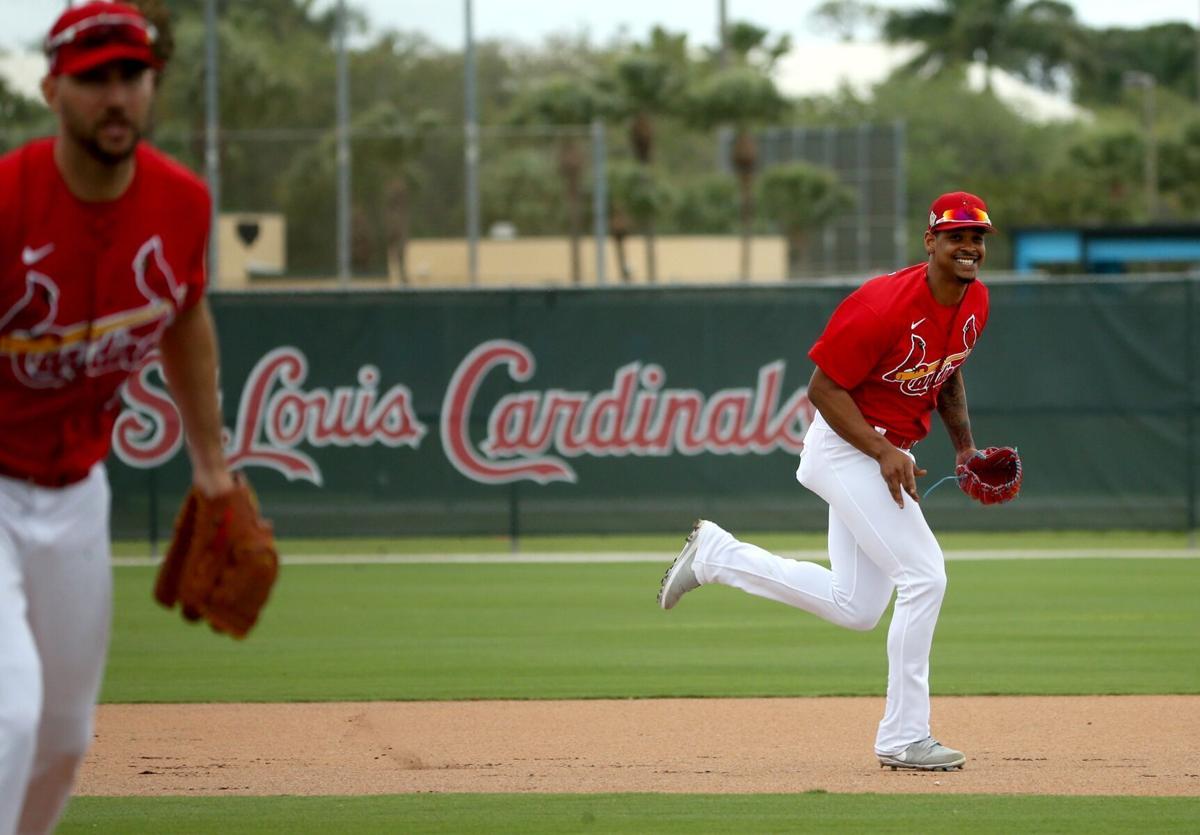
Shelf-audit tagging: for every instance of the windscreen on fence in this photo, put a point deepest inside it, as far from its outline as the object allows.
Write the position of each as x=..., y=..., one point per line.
x=624, y=410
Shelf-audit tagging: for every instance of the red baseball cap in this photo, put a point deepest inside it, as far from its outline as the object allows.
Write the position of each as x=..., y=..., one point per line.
x=95, y=33
x=959, y=209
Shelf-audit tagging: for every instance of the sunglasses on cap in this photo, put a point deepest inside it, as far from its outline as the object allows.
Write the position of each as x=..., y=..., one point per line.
x=962, y=214
x=104, y=29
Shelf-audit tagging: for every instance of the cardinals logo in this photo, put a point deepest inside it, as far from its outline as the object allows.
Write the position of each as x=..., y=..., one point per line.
x=46, y=353
x=918, y=374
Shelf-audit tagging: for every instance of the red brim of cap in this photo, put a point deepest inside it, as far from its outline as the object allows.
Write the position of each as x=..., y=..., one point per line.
x=962, y=224
x=75, y=61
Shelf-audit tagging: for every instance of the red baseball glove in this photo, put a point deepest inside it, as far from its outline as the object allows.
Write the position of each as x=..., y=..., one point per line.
x=222, y=561
x=992, y=475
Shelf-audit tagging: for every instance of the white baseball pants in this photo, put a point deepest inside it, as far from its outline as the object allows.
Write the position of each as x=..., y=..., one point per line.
x=874, y=547
x=55, y=610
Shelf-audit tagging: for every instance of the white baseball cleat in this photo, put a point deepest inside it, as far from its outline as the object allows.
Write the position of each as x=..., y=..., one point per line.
x=926, y=755
x=680, y=577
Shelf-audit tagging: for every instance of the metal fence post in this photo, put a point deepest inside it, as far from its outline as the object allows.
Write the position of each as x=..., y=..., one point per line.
x=600, y=196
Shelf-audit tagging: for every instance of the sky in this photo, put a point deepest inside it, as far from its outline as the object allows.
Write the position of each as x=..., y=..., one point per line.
x=529, y=21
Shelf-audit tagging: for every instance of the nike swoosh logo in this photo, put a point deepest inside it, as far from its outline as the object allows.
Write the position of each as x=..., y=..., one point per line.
x=919, y=321
x=30, y=256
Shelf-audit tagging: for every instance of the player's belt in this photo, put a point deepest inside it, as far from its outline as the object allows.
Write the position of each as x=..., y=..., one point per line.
x=59, y=479
x=898, y=443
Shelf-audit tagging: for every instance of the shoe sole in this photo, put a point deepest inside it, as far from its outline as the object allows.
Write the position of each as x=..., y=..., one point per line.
x=685, y=556
x=954, y=766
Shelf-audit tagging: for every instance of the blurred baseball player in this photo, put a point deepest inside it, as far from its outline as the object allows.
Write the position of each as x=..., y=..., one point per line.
x=102, y=261
x=892, y=353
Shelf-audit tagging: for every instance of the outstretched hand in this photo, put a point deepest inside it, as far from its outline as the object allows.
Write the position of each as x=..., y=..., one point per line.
x=900, y=473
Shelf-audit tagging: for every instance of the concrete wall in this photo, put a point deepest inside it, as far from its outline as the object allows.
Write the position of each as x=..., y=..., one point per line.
x=546, y=261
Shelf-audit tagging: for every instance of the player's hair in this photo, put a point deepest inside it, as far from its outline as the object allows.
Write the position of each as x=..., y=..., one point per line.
x=156, y=12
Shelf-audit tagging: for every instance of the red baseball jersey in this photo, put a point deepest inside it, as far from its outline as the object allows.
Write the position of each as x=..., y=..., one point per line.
x=892, y=346
x=86, y=291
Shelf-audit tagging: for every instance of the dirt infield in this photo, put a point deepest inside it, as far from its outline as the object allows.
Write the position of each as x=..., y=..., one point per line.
x=1121, y=745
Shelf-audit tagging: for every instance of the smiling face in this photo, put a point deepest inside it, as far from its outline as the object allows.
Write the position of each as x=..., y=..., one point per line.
x=956, y=254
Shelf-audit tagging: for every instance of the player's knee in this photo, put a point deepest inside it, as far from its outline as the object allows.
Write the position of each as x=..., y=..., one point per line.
x=861, y=621
x=64, y=738
x=934, y=585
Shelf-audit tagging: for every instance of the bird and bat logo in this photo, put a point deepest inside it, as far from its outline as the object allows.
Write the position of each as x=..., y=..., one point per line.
x=46, y=352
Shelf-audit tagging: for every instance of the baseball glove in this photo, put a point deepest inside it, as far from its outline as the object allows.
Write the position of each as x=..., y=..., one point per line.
x=992, y=475
x=222, y=560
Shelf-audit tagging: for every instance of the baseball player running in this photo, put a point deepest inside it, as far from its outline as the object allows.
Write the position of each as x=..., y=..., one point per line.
x=891, y=353
x=102, y=261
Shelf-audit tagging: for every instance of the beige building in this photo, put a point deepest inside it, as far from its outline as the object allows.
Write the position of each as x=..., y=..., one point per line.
x=252, y=251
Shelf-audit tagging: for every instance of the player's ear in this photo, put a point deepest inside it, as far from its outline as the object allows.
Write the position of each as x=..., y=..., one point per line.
x=929, y=239
x=50, y=90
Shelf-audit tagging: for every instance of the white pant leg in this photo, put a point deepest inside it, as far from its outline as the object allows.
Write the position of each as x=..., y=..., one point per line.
x=20, y=669
x=852, y=592
x=69, y=579
x=900, y=543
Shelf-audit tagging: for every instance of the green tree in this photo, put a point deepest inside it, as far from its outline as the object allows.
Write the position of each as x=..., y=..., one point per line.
x=707, y=205
x=1106, y=167
x=521, y=187
x=742, y=98
x=568, y=105
x=846, y=17
x=802, y=198
x=1181, y=169
x=649, y=82
x=1167, y=51
x=637, y=196
x=1032, y=40
x=387, y=147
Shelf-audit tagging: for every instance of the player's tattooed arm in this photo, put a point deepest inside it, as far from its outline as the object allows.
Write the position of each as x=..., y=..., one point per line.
x=952, y=406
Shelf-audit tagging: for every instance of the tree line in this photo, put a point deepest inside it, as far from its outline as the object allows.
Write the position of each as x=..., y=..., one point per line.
x=662, y=100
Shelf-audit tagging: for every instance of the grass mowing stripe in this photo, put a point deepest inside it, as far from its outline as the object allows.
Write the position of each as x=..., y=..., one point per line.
x=637, y=813
x=371, y=632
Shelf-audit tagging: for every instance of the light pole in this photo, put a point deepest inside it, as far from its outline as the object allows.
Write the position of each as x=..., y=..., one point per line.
x=1145, y=81
x=471, y=145
x=723, y=32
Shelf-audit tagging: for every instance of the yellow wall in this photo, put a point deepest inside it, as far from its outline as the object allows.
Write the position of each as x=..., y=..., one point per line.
x=523, y=262
x=542, y=261
x=239, y=261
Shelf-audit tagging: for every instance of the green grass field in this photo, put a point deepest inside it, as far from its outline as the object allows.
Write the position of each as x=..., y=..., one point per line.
x=637, y=813
x=362, y=632
x=526, y=631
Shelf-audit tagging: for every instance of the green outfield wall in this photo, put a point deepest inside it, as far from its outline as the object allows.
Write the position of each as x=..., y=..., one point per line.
x=622, y=410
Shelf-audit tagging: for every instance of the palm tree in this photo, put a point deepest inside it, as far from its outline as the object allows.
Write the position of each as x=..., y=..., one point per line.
x=636, y=196
x=802, y=197
x=568, y=104
x=742, y=97
x=1032, y=40
x=649, y=82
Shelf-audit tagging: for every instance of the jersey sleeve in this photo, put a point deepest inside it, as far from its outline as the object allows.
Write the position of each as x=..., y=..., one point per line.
x=852, y=344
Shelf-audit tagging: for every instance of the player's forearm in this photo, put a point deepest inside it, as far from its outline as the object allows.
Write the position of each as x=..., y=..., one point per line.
x=189, y=359
x=843, y=415
x=952, y=407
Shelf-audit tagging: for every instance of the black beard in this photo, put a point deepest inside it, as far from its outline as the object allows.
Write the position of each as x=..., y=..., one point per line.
x=107, y=157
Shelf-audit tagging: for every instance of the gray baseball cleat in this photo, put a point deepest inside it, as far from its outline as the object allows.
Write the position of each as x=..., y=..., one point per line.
x=680, y=578
x=925, y=755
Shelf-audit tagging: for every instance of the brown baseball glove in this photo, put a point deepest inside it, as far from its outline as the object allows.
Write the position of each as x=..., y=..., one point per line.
x=222, y=560
x=992, y=475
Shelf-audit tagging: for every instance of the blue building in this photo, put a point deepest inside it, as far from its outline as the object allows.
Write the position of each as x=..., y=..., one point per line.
x=1106, y=249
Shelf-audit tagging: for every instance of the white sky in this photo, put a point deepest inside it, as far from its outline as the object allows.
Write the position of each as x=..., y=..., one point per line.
x=26, y=21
